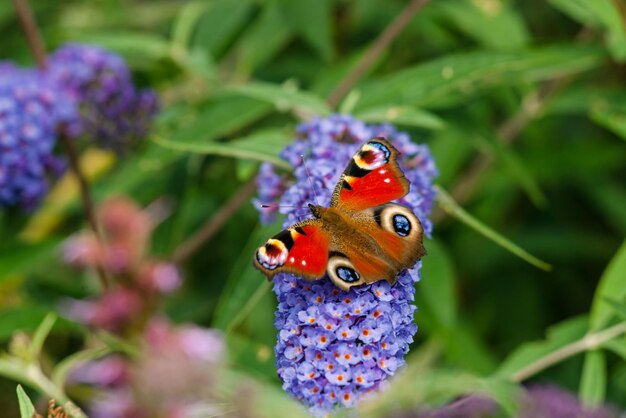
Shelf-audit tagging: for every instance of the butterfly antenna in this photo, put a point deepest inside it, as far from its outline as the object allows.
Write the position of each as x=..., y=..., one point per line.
x=310, y=179
x=276, y=205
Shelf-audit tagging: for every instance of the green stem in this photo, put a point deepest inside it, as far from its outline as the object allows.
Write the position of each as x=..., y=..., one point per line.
x=589, y=342
x=452, y=208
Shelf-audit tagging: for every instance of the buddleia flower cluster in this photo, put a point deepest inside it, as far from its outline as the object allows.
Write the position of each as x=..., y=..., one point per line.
x=84, y=92
x=334, y=347
x=111, y=111
x=31, y=109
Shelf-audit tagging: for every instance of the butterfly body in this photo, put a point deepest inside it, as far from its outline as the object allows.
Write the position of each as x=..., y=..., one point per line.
x=361, y=237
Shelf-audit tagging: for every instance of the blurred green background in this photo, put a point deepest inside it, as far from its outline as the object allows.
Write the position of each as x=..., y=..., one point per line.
x=521, y=103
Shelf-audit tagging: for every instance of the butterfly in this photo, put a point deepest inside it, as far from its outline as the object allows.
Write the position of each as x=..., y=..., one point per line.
x=361, y=237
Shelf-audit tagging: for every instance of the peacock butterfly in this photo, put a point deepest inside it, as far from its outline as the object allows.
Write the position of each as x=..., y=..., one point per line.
x=361, y=237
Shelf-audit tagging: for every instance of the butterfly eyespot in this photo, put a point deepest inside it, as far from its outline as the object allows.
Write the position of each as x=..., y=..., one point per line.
x=273, y=254
x=401, y=225
x=347, y=274
x=372, y=155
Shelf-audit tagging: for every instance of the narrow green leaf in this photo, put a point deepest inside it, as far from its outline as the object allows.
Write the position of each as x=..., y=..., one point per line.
x=220, y=23
x=243, y=282
x=604, y=14
x=312, y=20
x=520, y=172
x=261, y=146
x=447, y=203
x=139, y=48
x=437, y=285
x=263, y=39
x=558, y=336
x=186, y=21
x=593, y=381
x=65, y=366
x=453, y=78
x=21, y=257
x=284, y=97
x=27, y=409
x=618, y=346
x=251, y=356
x=40, y=335
x=222, y=117
x=612, y=284
x=402, y=115
x=618, y=307
x=493, y=24
x=610, y=116
x=465, y=349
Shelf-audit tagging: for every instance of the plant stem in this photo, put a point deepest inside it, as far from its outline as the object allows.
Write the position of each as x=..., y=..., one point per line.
x=86, y=199
x=374, y=51
x=37, y=47
x=31, y=30
x=224, y=213
x=588, y=342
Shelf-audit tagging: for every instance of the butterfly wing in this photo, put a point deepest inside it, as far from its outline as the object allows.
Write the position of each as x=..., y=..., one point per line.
x=373, y=177
x=390, y=241
x=301, y=249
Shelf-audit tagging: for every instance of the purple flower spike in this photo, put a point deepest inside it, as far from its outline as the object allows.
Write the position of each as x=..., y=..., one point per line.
x=111, y=111
x=31, y=110
x=334, y=346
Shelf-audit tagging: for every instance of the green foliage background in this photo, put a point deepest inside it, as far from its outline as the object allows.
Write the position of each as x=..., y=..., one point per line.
x=532, y=90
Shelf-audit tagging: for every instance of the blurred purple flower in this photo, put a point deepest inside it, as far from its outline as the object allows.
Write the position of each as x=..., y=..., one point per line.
x=175, y=375
x=31, y=110
x=334, y=346
x=111, y=111
x=538, y=401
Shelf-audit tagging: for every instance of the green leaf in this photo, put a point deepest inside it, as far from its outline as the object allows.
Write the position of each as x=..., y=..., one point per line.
x=451, y=150
x=447, y=203
x=140, y=49
x=222, y=117
x=520, y=173
x=312, y=20
x=455, y=77
x=593, y=381
x=284, y=97
x=186, y=21
x=21, y=257
x=220, y=23
x=251, y=356
x=437, y=285
x=618, y=346
x=493, y=24
x=402, y=115
x=261, y=146
x=40, y=335
x=244, y=282
x=610, y=116
x=263, y=39
x=28, y=318
x=618, y=307
x=612, y=284
x=605, y=14
x=519, y=363
x=27, y=409
x=465, y=349
x=438, y=386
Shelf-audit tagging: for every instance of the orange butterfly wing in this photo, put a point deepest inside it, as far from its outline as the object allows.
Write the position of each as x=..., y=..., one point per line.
x=373, y=177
